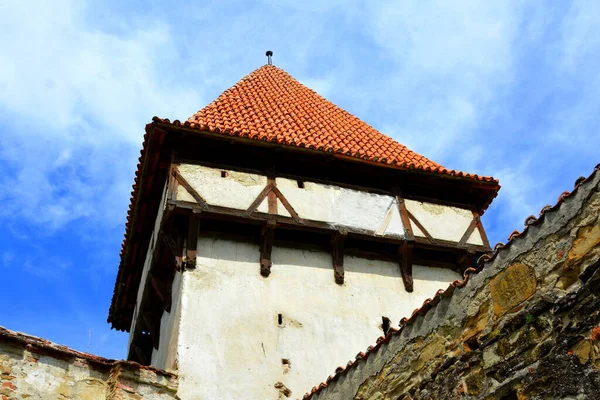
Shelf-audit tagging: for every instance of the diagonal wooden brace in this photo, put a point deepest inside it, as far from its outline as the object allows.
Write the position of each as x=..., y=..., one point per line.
x=189, y=261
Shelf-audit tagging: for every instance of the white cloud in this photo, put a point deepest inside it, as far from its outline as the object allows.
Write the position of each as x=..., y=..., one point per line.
x=77, y=99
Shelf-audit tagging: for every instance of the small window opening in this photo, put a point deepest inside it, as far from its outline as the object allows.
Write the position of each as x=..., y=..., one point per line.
x=224, y=174
x=385, y=325
x=285, y=361
x=279, y=319
x=301, y=184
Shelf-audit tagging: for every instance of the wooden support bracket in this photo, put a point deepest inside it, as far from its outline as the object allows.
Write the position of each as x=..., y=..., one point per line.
x=189, y=261
x=266, y=245
x=337, y=254
x=405, y=260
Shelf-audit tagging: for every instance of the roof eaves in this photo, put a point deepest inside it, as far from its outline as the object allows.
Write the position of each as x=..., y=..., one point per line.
x=339, y=153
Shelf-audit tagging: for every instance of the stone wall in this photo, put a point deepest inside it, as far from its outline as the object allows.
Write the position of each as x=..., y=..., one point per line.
x=525, y=327
x=33, y=368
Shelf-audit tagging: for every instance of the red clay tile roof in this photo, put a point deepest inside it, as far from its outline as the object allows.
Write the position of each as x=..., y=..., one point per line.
x=270, y=105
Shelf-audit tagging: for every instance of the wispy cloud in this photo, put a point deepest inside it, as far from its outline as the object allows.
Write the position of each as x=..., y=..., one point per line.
x=75, y=99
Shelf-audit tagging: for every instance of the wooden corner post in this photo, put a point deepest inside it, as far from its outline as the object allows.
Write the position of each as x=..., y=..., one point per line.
x=266, y=246
x=405, y=260
x=337, y=254
x=189, y=261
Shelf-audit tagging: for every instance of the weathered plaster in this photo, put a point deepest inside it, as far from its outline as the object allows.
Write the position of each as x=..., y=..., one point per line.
x=238, y=190
x=340, y=207
x=35, y=369
x=443, y=222
x=231, y=345
x=166, y=355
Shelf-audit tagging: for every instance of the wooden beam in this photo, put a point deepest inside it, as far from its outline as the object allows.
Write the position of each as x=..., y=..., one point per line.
x=469, y=231
x=259, y=199
x=226, y=213
x=172, y=185
x=287, y=205
x=337, y=255
x=421, y=227
x=192, y=242
x=199, y=199
x=408, y=231
x=272, y=197
x=405, y=260
x=482, y=233
x=266, y=246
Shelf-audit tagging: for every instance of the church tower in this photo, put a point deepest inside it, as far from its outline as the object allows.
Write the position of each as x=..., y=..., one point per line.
x=273, y=235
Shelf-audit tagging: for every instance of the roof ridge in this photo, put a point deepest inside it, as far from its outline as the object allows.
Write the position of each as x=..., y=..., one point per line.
x=429, y=303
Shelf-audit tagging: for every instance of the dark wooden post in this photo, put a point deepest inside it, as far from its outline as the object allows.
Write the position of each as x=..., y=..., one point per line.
x=337, y=254
x=405, y=260
x=192, y=243
x=266, y=245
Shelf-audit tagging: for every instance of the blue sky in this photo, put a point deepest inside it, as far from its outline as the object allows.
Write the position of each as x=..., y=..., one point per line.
x=508, y=89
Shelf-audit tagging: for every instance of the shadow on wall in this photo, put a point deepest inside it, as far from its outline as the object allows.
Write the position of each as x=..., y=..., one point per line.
x=247, y=252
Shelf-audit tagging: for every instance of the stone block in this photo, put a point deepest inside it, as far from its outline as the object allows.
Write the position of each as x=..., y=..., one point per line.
x=511, y=287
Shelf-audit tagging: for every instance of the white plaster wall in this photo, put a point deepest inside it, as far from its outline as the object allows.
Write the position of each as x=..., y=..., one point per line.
x=443, y=222
x=166, y=355
x=340, y=207
x=230, y=343
x=238, y=190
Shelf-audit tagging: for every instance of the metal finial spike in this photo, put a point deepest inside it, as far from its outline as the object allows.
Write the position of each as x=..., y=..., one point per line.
x=269, y=53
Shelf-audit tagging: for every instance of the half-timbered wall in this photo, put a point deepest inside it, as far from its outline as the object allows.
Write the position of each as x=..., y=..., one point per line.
x=235, y=330
x=354, y=210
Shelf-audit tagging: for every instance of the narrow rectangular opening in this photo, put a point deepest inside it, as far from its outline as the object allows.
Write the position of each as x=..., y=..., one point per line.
x=224, y=174
x=279, y=319
x=301, y=184
x=385, y=325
